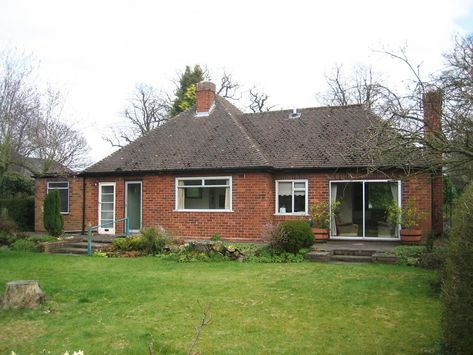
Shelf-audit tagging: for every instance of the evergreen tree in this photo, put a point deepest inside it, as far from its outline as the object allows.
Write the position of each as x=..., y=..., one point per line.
x=185, y=94
x=52, y=218
x=457, y=287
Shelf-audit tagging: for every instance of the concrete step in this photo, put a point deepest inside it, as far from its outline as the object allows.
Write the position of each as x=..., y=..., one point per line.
x=354, y=252
x=352, y=258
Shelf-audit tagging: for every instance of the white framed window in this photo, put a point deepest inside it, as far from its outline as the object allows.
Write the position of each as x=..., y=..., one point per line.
x=63, y=188
x=204, y=194
x=292, y=197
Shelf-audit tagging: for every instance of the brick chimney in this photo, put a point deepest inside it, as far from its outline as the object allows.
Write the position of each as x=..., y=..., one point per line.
x=432, y=101
x=205, y=95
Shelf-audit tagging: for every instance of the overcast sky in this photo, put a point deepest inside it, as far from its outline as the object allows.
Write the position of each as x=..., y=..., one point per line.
x=96, y=51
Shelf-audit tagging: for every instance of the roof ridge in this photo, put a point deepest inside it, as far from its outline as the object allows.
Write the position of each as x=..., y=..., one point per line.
x=245, y=133
x=305, y=108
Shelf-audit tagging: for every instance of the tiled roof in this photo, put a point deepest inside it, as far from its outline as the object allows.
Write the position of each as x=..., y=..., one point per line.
x=325, y=137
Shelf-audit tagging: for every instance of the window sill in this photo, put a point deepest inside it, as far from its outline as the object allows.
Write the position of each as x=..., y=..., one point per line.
x=292, y=214
x=225, y=211
x=64, y=213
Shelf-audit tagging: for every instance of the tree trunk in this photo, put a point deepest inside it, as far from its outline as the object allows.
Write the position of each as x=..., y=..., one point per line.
x=23, y=294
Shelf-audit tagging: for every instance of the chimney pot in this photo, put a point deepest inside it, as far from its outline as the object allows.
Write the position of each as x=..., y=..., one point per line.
x=205, y=95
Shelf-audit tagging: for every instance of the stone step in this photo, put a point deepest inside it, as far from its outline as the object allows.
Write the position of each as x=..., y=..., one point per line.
x=69, y=250
x=98, y=239
x=354, y=252
x=321, y=256
x=95, y=245
x=383, y=258
x=352, y=258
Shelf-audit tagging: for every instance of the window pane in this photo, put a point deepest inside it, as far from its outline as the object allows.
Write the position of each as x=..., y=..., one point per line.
x=203, y=198
x=107, y=198
x=107, y=189
x=64, y=195
x=193, y=192
x=216, y=182
x=348, y=219
x=299, y=185
x=299, y=201
x=53, y=185
x=192, y=182
x=379, y=196
x=106, y=215
x=285, y=197
x=107, y=206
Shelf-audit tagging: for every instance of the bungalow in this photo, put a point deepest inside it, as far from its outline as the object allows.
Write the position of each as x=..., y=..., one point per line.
x=215, y=170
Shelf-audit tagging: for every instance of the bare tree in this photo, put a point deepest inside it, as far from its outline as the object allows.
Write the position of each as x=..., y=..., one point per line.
x=55, y=142
x=228, y=87
x=24, y=109
x=146, y=109
x=403, y=127
x=258, y=101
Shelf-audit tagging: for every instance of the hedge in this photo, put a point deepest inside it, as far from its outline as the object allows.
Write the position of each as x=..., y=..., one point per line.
x=21, y=210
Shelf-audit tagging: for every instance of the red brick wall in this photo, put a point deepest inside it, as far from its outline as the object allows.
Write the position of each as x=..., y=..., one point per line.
x=73, y=219
x=253, y=202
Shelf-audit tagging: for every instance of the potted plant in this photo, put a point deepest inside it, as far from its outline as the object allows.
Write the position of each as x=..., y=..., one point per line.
x=321, y=215
x=409, y=217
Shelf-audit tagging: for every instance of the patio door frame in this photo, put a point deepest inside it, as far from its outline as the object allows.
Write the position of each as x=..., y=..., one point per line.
x=399, y=199
x=111, y=228
x=141, y=203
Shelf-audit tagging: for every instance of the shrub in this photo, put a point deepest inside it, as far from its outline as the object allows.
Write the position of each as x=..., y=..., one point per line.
x=24, y=245
x=7, y=225
x=321, y=214
x=20, y=210
x=457, y=287
x=215, y=238
x=154, y=239
x=299, y=235
x=7, y=238
x=276, y=237
x=408, y=254
x=135, y=243
x=42, y=239
x=53, y=221
x=429, y=243
x=432, y=260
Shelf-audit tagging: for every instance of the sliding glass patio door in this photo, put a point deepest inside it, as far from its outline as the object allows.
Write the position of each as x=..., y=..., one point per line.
x=361, y=208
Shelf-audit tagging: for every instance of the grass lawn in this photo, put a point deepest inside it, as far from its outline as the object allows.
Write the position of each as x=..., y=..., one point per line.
x=117, y=306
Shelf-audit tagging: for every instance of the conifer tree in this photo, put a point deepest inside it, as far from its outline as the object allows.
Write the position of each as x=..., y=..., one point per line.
x=52, y=218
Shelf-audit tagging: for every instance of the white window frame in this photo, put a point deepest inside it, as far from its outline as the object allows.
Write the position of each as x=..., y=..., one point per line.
x=61, y=188
x=230, y=185
x=306, y=189
x=399, y=199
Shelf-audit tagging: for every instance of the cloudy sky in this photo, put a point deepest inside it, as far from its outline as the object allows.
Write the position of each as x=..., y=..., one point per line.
x=96, y=51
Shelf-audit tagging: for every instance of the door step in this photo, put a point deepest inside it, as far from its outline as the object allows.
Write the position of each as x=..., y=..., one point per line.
x=351, y=256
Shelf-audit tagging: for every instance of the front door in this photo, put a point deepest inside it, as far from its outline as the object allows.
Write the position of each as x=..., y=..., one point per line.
x=106, y=208
x=133, y=205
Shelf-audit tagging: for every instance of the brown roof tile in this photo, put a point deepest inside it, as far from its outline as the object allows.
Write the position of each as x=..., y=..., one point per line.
x=325, y=137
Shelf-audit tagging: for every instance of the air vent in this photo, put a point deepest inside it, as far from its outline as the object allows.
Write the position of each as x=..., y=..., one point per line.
x=294, y=114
